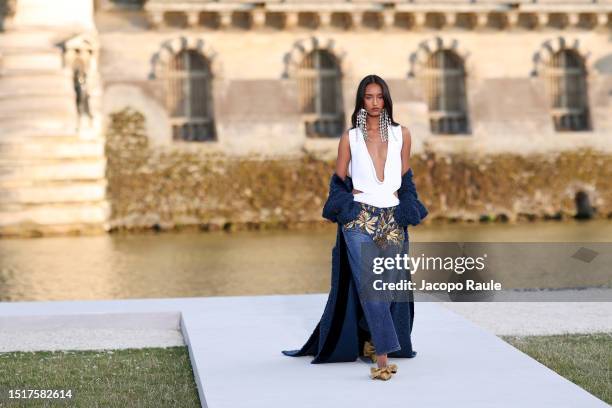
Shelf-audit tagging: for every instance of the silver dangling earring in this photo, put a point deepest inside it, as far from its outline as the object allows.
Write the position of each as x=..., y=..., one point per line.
x=361, y=122
x=383, y=125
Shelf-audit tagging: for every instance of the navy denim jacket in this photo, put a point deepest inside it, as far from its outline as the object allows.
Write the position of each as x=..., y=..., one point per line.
x=341, y=207
x=338, y=337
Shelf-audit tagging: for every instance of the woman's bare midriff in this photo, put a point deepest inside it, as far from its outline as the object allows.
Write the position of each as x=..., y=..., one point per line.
x=355, y=191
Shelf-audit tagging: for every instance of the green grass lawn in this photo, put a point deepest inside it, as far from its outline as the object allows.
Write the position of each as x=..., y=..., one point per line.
x=162, y=377
x=584, y=359
x=152, y=377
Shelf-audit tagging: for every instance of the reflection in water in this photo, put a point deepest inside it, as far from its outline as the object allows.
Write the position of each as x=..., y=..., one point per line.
x=219, y=264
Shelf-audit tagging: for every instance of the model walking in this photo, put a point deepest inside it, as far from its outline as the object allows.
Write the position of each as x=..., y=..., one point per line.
x=373, y=199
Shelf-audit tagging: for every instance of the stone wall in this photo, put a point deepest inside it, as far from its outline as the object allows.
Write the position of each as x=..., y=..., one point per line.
x=255, y=96
x=152, y=187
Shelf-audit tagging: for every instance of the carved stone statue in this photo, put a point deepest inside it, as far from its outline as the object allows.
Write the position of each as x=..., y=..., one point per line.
x=82, y=93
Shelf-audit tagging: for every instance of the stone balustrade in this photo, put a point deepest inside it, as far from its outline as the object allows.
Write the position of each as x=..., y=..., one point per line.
x=379, y=15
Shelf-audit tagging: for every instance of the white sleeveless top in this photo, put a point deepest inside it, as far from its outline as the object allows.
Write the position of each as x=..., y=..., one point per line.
x=363, y=173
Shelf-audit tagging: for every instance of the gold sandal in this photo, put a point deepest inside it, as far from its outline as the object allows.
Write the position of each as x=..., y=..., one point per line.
x=369, y=351
x=382, y=373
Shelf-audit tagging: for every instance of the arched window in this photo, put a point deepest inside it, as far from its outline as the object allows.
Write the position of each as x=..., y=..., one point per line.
x=189, y=98
x=568, y=90
x=320, y=94
x=444, y=81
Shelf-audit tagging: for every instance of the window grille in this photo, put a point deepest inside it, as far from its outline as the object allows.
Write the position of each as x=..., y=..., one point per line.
x=320, y=94
x=444, y=81
x=189, y=98
x=568, y=91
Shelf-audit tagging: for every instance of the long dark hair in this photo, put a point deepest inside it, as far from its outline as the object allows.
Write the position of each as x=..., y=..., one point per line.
x=367, y=80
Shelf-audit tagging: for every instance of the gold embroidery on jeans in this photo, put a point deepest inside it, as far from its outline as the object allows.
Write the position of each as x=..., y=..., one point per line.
x=381, y=225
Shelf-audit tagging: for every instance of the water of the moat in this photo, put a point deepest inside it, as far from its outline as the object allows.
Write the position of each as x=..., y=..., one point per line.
x=188, y=264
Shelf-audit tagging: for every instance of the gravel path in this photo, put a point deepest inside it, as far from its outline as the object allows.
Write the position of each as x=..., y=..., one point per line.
x=88, y=339
x=539, y=318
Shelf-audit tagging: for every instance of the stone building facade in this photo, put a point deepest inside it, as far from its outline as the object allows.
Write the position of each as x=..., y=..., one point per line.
x=277, y=80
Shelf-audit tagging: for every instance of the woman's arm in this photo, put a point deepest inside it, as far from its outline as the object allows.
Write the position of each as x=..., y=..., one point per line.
x=410, y=210
x=407, y=139
x=344, y=155
x=340, y=205
x=405, y=153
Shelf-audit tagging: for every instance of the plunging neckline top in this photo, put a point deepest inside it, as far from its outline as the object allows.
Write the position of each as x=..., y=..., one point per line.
x=374, y=166
x=374, y=191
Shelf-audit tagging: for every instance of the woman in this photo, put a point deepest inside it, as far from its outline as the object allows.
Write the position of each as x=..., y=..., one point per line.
x=373, y=199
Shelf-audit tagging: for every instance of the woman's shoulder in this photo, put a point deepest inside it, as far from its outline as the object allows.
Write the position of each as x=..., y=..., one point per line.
x=398, y=126
x=349, y=132
x=405, y=131
x=346, y=134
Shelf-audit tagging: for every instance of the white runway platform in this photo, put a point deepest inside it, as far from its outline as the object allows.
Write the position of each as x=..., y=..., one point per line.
x=235, y=346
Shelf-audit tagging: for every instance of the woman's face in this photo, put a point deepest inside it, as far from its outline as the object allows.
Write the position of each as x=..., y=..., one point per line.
x=373, y=99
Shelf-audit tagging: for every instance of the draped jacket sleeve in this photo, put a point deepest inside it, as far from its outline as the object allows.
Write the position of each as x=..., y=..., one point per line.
x=410, y=210
x=341, y=207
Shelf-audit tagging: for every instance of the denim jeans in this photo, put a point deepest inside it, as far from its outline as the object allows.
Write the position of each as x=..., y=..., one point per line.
x=377, y=312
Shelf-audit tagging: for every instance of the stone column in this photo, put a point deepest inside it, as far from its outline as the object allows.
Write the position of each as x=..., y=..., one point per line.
x=450, y=19
x=481, y=19
x=258, y=17
x=225, y=19
x=602, y=19
x=291, y=19
x=542, y=19
x=419, y=19
x=157, y=18
x=357, y=18
x=193, y=19
x=512, y=18
x=325, y=19
x=388, y=17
